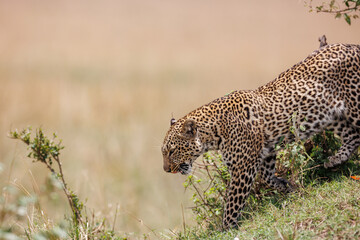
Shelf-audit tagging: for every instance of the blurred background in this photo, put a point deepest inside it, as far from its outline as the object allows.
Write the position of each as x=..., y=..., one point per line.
x=108, y=75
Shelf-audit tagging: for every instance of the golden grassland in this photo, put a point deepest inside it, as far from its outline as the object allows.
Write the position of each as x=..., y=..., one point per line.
x=108, y=75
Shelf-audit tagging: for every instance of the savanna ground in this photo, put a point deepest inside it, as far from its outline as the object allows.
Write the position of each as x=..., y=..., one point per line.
x=107, y=77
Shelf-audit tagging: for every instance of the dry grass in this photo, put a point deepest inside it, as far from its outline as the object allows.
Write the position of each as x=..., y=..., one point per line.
x=108, y=75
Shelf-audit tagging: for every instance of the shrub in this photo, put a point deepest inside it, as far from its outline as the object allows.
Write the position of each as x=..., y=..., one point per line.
x=299, y=161
x=208, y=183
x=14, y=205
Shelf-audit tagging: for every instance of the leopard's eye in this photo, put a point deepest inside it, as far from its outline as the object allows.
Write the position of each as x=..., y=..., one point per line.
x=171, y=151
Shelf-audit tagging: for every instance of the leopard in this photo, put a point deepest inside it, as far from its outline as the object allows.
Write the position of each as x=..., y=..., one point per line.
x=323, y=90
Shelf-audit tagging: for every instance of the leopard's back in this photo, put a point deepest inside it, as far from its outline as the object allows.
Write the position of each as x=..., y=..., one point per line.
x=321, y=89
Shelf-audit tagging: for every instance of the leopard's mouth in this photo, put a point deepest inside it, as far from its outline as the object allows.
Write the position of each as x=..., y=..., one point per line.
x=185, y=168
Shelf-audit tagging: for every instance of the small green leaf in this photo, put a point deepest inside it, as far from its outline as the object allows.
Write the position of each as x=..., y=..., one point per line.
x=347, y=18
x=319, y=8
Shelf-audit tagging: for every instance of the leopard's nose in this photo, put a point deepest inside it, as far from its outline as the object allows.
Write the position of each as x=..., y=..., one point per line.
x=166, y=166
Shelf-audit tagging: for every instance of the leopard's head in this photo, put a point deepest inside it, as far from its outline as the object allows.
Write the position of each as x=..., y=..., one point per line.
x=182, y=146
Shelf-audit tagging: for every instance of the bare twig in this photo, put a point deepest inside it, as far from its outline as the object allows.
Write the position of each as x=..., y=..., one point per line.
x=340, y=11
x=183, y=217
x=116, y=212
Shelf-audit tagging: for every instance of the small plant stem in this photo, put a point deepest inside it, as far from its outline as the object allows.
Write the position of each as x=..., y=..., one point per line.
x=197, y=190
x=345, y=10
x=183, y=217
x=67, y=192
x=210, y=177
x=116, y=212
x=201, y=197
x=307, y=169
x=142, y=222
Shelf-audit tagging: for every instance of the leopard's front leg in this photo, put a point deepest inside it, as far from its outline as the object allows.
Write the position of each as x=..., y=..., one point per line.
x=242, y=158
x=241, y=182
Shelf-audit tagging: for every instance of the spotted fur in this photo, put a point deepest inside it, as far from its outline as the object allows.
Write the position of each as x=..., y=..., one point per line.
x=324, y=91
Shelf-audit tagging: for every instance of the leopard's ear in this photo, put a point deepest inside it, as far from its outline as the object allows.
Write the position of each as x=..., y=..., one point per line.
x=172, y=121
x=189, y=129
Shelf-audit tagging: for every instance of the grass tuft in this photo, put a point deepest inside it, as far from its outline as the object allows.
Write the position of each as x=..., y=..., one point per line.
x=325, y=205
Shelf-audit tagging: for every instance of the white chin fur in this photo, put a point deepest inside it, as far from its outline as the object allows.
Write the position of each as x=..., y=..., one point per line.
x=187, y=171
